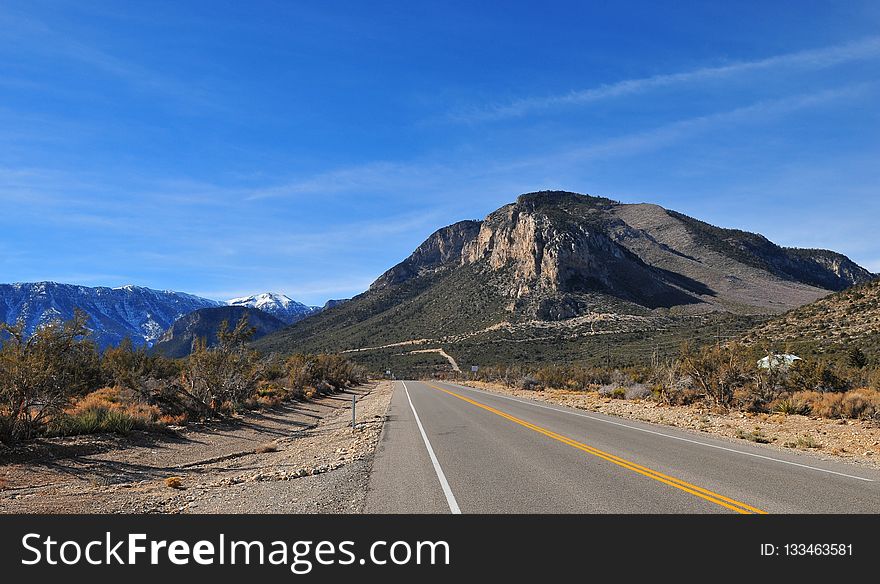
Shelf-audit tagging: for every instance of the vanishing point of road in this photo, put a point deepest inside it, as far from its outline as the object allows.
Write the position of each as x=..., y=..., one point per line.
x=447, y=448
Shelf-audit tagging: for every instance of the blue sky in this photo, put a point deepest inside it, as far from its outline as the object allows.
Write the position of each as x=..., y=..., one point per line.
x=225, y=148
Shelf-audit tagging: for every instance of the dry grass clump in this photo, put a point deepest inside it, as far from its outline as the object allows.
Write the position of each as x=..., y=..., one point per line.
x=174, y=420
x=862, y=403
x=174, y=483
x=756, y=436
x=109, y=409
x=267, y=447
x=804, y=441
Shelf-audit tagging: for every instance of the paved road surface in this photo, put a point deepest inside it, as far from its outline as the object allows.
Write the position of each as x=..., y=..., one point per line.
x=448, y=448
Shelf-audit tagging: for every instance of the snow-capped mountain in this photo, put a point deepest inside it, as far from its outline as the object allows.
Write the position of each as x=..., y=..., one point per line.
x=115, y=313
x=278, y=305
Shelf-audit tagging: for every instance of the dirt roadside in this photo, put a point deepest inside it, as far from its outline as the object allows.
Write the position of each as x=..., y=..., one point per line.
x=856, y=441
x=299, y=458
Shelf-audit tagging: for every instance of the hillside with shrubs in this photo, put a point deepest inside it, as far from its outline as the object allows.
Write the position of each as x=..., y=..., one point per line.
x=829, y=327
x=721, y=377
x=55, y=381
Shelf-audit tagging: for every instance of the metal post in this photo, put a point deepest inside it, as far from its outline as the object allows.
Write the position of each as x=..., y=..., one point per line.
x=353, y=407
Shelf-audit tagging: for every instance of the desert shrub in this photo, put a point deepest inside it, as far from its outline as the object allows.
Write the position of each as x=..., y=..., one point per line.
x=807, y=441
x=761, y=388
x=873, y=379
x=670, y=385
x=174, y=419
x=618, y=393
x=856, y=358
x=109, y=409
x=529, y=383
x=637, y=391
x=619, y=378
x=815, y=375
x=857, y=403
x=718, y=371
x=225, y=376
x=174, y=482
x=790, y=405
x=130, y=367
x=860, y=403
x=266, y=448
x=40, y=373
x=269, y=394
x=754, y=436
x=323, y=373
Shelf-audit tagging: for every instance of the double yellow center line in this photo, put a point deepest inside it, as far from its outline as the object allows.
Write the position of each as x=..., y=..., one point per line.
x=700, y=492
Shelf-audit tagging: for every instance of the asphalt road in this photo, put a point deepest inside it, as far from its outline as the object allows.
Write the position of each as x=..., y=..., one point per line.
x=448, y=448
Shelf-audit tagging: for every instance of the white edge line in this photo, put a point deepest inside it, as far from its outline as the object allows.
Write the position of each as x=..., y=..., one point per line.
x=450, y=498
x=537, y=405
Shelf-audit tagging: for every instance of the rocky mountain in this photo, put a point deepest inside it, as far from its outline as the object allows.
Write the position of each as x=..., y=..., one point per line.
x=115, y=313
x=559, y=275
x=205, y=322
x=331, y=303
x=830, y=326
x=278, y=305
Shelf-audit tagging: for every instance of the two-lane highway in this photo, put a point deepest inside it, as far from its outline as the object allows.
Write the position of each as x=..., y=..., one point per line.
x=449, y=448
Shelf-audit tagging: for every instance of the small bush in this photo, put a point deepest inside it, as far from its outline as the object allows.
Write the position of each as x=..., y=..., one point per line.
x=529, y=383
x=109, y=410
x=790, y=406
x=618, y=393
x=268, y=447
x=756, y=436
x=174, y=483
x=807, y=441
x=174, y=419
x=856, y=403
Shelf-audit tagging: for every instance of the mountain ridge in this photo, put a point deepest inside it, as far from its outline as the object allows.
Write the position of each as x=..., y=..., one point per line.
x=204, y=323
x=565, y=266
x=140, y=313
x=137, y=312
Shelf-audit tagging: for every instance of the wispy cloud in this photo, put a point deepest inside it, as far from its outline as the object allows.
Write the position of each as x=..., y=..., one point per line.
x=753, y=113
x=809, y=59
x=364, y=177
x=32, y=34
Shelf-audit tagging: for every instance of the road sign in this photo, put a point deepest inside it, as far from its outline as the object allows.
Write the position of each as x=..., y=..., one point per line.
x=474, y=368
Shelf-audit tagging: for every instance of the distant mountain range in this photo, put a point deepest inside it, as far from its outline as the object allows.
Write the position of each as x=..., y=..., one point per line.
x=143, y=314
x=115, y=313
x=559, y=276
x=204, y=324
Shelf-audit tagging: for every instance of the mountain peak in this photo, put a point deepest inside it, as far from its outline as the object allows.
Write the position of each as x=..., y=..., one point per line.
x=278, y=305
x=544, y=199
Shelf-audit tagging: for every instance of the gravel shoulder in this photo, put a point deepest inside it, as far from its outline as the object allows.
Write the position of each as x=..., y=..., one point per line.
x=302, y=457
x=855, y=441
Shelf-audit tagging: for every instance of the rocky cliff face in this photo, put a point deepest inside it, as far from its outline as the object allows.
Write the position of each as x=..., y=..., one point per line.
x=442, y=249
x=558, y=244
x=554, y=246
